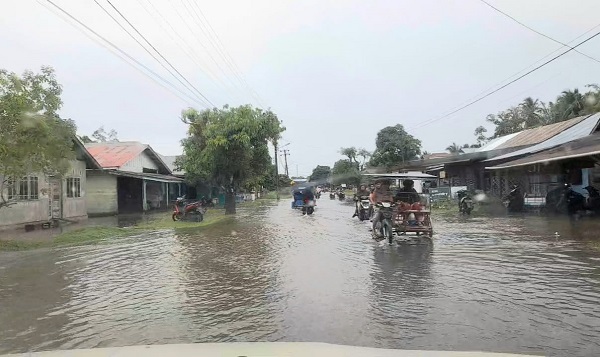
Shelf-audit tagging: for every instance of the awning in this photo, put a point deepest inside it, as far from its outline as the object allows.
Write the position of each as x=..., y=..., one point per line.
x=147, y=176
x=404, y=175
x=588, y=146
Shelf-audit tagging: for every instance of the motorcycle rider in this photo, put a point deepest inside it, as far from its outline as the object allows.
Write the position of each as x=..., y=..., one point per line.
x=363, y=193
x=407, y=192
x=382, y=193
x=515, y=199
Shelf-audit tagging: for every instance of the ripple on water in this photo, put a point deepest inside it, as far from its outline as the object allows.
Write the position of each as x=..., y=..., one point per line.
x=496, y=284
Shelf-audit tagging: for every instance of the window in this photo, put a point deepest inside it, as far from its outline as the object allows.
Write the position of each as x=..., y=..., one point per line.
x=73, y=187
x=23, y=189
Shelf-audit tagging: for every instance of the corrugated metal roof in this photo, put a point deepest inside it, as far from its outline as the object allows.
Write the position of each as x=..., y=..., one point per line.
x=492, y=145
x=146, y=176
x=587, y=146
x=115, y=154
x=537, y=135
x=583, y=128
x=170, y=161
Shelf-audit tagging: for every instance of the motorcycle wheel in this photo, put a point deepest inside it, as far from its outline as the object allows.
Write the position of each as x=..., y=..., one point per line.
x=310, y=210
x=388, y=231
x=362, y=215
x=176, y=216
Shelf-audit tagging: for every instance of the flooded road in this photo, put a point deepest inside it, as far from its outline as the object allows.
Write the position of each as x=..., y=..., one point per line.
x=493, y=284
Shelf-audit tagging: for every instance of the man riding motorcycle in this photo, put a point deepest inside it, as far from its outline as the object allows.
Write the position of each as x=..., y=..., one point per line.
x=362, y=194
x=381, y=194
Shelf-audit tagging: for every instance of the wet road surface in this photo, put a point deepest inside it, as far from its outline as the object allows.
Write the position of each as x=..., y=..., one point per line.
x=493, y=284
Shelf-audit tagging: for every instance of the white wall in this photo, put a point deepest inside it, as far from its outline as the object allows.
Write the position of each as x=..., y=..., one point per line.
x=139, y=162
x=101, y=193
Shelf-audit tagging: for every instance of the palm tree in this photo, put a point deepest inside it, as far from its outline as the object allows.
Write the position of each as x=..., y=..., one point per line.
x=454, y=149
x=569, y=104
x=531, y=112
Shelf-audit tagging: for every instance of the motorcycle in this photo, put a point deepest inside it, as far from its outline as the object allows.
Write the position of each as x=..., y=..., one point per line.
x=341, y=196
x=385, y=226
x=364, y=208
x=514, y=200
x=331, y=195
x=563, y=200
x=318, y=195
x=188, y=210
x=465, y=202
x=593, y=201
x=308, y=207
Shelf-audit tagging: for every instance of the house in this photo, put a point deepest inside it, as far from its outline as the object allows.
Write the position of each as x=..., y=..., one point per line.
x=42, y=199
x=537, y=183
x=469, y=169
x=574, y=162
x=134, y=178
x=193, y=191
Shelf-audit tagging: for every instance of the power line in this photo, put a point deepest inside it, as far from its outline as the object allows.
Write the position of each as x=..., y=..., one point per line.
x=218, y=44
x=160, y=54
x=536, y=31
x=529, y=66
x=507, y=84
x=160, y=23
x=200, y=42
x=121, y=52
x=190, y=52
x=148, y=51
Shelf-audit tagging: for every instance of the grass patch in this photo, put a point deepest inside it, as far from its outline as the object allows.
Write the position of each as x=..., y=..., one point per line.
x=97, y=234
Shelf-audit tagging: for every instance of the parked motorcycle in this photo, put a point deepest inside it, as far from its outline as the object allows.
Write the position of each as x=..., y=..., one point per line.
x=364, y=208
x=188, y=210
x=308, y=207
x=384, y=227
x=515, y=202
x=465, y=202
x=593, y=201
x=563, y=200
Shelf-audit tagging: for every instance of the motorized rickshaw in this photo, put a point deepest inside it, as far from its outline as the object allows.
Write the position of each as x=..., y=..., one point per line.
x=409, y=215
x=300, y=202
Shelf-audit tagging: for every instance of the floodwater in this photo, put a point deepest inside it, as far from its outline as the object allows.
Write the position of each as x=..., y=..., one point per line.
x=494, y=284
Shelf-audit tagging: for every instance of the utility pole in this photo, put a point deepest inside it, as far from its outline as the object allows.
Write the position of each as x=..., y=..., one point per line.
x=276, y=173
x=286, y=152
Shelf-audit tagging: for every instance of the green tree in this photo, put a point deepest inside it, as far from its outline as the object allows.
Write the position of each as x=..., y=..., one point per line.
x=394, y=146
x=454, y=149
x=33, y=138
x=345, y=171
x=365, y=155
x=228, y=146
x=350, y=153
x=480, y=135
x=320, y=174
x=531, y=113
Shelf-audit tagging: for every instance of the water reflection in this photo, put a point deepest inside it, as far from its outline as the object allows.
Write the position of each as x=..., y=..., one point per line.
x=506, y=284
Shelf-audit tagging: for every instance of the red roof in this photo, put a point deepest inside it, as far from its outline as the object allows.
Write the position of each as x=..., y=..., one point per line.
x=115, y=154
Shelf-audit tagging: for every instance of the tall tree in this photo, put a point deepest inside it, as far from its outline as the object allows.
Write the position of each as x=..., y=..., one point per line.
x=395, y=146
x=454, y=149
x=350, y=153
x=345, y=171
x=33, y=138
x=228, y=146
x=365, y=155
x=531, y=113
x=480, y=135
x=320, y=174
x=103, y=136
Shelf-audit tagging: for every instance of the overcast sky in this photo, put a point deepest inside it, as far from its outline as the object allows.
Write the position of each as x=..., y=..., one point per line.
x=335, y=72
